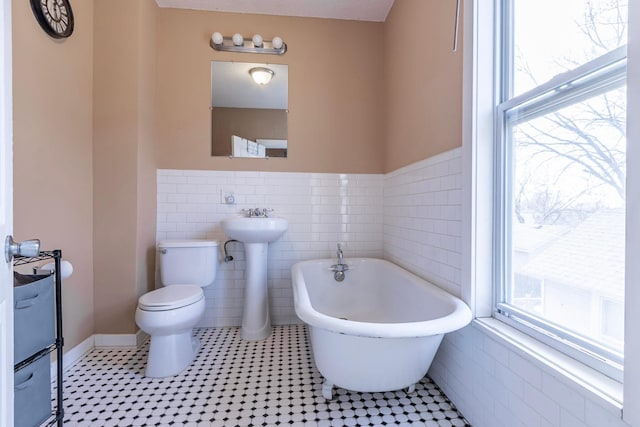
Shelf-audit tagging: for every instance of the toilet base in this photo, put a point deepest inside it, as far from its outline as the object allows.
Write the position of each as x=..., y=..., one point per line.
x=171, y=354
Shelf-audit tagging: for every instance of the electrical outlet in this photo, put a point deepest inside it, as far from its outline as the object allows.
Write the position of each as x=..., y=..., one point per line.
x=227, y=197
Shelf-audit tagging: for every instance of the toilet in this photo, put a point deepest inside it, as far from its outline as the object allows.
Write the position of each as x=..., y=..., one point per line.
x=169, y=313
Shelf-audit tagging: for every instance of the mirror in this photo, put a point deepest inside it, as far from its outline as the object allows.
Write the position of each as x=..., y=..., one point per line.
x=249, y=119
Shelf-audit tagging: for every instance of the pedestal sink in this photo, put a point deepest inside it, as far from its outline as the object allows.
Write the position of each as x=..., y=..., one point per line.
x=255, y=233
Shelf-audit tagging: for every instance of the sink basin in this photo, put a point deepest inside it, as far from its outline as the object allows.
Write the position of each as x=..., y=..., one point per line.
x=254, y=230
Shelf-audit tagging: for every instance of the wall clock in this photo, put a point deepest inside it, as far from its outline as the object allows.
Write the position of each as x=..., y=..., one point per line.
x=54, y=16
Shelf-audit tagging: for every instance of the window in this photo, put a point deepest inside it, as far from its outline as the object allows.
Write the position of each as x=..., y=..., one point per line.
x=561, y=151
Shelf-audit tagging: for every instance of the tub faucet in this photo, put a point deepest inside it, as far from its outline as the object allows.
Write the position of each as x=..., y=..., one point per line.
x=339, y=268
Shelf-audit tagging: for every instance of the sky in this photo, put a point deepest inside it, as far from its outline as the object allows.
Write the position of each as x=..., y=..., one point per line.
x=548, y=30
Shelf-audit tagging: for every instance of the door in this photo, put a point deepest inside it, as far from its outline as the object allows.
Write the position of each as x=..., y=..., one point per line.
x=6, y=218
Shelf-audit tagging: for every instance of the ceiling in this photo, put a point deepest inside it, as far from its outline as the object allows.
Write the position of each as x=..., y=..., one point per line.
x=359, y=10
x=232, y=86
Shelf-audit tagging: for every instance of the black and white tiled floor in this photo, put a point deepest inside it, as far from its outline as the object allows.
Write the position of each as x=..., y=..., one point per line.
x=238, y=383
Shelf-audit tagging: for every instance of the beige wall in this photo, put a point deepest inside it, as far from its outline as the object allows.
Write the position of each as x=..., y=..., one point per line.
x=335, y=91
x=423, y=81
x=146, y=215
x=53, y=192
x=123, y=161
x=363, y=98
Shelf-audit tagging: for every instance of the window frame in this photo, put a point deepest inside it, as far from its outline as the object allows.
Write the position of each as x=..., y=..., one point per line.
x=588, y=80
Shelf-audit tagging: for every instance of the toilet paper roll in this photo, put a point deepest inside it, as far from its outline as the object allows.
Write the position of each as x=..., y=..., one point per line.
x=66, y=268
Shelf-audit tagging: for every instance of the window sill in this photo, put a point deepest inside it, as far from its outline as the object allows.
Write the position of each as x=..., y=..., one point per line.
x=593, y=384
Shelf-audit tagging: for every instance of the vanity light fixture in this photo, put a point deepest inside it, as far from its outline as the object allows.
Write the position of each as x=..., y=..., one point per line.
x=256, y=44
x=261, y=75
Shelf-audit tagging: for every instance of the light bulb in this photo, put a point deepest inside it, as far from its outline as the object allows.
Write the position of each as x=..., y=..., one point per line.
x=216, y=38
x=277, y=42
x=257, y=40
x=261, y=75
x=238, y=40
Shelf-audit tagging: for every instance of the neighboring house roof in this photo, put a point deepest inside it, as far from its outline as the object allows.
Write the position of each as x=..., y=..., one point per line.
x=589, y=256
x=531, y=239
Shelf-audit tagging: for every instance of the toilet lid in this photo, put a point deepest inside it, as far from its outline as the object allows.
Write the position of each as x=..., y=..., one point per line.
x=170, y=297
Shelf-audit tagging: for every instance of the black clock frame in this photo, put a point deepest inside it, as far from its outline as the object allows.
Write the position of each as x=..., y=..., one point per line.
x=42, y=20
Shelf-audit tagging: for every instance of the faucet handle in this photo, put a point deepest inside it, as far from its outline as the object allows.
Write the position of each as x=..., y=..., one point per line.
x=257, y=212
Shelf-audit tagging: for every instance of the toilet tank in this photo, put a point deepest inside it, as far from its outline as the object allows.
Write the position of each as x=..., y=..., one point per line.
x=188, y=262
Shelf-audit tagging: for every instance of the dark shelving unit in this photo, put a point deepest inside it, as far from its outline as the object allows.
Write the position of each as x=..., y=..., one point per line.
x=57, y=414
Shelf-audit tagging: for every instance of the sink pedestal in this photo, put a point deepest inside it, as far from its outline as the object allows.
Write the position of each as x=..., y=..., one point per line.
x=255, y=233
x=256, y=324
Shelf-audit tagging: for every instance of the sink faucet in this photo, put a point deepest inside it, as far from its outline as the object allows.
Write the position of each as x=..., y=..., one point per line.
x=340, y=255
x=257, y=212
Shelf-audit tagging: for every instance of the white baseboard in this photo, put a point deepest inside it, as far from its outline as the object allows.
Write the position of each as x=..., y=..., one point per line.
x=116, y=340
x=72, y=356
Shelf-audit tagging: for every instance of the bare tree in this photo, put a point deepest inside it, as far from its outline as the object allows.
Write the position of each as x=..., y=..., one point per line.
x=605, y=25
x=600, y=154
x=590, y=135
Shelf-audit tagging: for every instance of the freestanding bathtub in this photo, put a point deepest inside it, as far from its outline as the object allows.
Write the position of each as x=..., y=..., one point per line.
x=379, y=329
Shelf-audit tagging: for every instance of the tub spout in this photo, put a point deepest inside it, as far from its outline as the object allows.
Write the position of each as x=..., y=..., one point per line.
x=339, y=268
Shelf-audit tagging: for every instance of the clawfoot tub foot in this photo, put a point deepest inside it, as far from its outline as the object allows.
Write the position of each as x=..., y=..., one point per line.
x=327, y=390
x=411, y=389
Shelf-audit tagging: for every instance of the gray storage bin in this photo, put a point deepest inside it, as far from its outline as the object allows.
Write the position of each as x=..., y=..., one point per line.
x=32, y=393
x=33, y=314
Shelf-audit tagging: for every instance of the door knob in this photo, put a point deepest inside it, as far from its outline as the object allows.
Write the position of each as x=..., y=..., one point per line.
x=28, y=248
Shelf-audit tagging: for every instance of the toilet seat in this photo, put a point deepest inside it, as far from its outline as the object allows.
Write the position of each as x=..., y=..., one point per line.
x=170, y=297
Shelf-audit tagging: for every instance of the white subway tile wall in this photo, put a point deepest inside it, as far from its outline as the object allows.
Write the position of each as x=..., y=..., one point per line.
x=492, y=384
x=422, y=219
x=322, y=209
